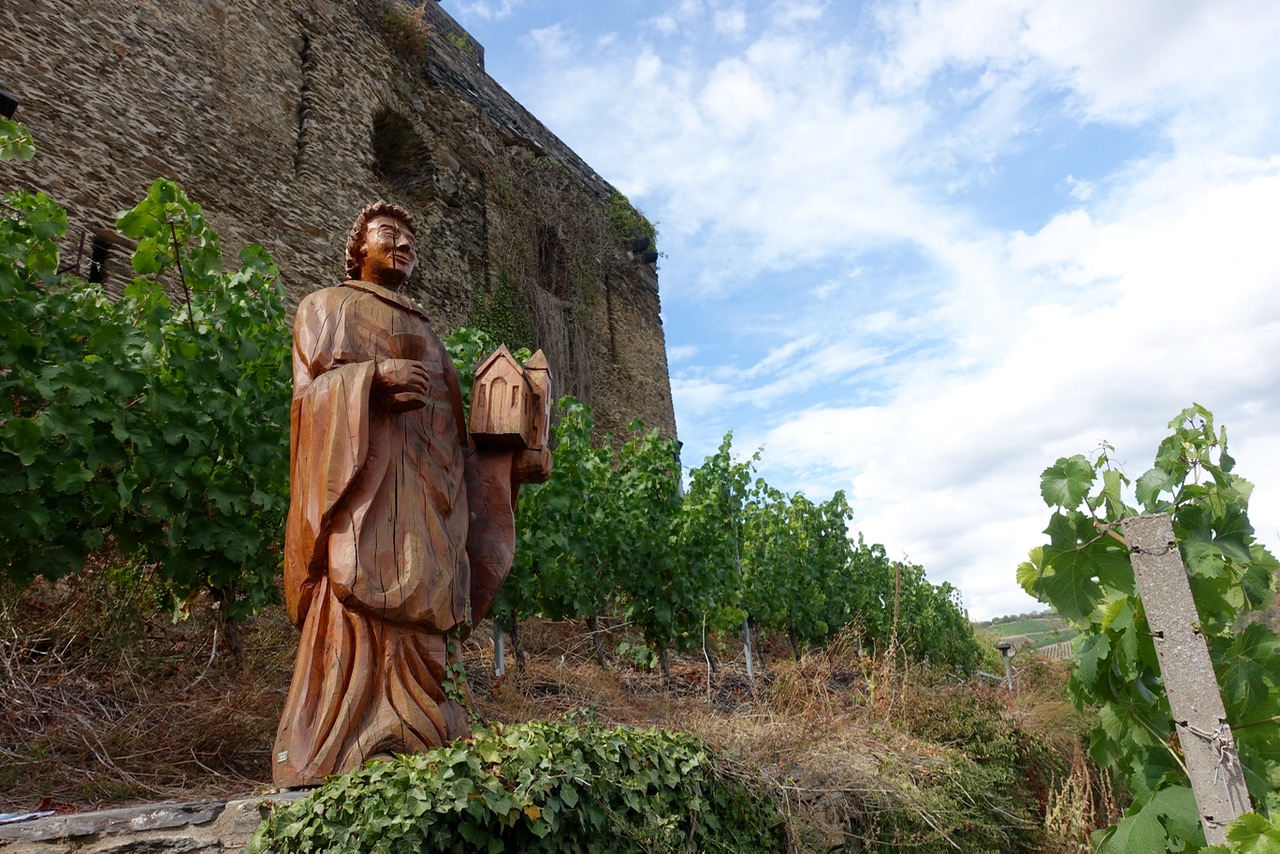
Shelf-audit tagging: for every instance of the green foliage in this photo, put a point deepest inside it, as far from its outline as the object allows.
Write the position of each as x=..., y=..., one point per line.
x=795, y=551
x=165, y=427
x=460, y=41
x=611, y=529
x=568, y=530
x=628, y=223
x=542, y=786
x=931, y=621
x=467, y=347
x=15, y=141
x=599, y=533
x=1251, y=833
x=667, y=599
x=713, y=532
x=1084, y=572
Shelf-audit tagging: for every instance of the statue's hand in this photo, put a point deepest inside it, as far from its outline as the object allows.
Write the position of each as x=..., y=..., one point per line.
x=404, y=381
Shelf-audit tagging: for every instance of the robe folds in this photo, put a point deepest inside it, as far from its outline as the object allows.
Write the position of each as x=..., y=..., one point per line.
x=398, y=536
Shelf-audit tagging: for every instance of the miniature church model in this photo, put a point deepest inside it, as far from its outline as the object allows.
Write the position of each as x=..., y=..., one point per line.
x=510, y=405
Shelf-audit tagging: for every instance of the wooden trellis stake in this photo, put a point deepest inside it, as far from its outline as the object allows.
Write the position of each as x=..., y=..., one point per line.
x=1194, y=696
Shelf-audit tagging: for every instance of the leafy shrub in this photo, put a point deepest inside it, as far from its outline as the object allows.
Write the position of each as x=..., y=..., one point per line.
x=161, y=426
x=541, y=786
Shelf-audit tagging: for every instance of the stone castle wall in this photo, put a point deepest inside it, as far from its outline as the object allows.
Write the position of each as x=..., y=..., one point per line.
x=284, y=117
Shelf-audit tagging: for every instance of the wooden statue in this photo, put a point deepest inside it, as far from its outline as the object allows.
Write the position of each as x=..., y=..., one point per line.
x=400, y=531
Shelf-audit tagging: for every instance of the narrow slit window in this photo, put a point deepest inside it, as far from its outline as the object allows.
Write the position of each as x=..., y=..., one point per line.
x=98, y=260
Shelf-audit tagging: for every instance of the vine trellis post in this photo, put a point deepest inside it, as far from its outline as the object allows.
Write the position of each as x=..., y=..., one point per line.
x=1195, y=698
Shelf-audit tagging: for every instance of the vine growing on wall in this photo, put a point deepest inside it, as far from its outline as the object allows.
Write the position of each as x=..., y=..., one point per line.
x=555, y=249
x=628, y=223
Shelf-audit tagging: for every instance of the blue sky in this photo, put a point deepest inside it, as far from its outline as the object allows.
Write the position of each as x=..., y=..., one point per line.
x=919, y=250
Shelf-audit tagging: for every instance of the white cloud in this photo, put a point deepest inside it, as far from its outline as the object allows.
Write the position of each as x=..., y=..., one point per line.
x=665, y=24
x=1193, y=314
x=680, y=15
x=697, y=396
x=780, y=357
x=731, y=22
x=1081, y=191
x=1126, y=62
x=815, y=188
x=787, y=12
x=682, y=353
x=488, y=11
x=553, y=43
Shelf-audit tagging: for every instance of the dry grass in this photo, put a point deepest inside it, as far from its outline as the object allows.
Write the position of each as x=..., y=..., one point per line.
x=832, y=734
x=100, y=705
x=102, y=702
x=1082, y=803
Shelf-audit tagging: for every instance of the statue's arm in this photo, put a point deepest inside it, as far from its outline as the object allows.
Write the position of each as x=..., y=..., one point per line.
x=329, y=441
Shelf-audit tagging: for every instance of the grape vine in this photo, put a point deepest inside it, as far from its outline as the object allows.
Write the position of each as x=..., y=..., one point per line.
x=160, y=426
x=610, y=532
x=1084, y=572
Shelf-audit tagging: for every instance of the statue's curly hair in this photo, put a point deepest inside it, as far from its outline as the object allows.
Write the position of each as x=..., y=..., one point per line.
x=355, y=240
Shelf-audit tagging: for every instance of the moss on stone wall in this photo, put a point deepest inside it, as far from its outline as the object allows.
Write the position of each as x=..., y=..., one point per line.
x=505, y=315
x=627, y=222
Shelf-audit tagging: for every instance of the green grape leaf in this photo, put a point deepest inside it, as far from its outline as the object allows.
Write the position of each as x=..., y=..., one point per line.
x=1070, y=590
x=1253, y=834
x=1080, y=557
x=1252, y=674
x=1066, y=483
x=1090, y=651
x=1147, y=489
x=1113, y=483
x=1141, y=831
x=1177, y=806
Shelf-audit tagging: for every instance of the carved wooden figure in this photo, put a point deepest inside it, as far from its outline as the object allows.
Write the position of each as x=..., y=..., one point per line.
x=400, y=532
x=510, y=405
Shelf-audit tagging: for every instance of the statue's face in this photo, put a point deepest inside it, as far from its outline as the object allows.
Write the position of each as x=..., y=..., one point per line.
x=390, y=252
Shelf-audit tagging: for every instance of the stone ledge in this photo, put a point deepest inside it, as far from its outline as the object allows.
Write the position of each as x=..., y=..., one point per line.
x=211, y=826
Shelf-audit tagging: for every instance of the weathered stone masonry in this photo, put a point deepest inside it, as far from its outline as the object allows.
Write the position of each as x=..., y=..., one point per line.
x=283, y=117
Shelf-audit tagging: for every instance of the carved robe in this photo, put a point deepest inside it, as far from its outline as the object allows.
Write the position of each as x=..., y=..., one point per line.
x=397, y=534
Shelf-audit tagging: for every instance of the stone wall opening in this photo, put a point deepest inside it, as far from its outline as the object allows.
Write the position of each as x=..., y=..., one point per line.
x=98, y=260
x=401, y=159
